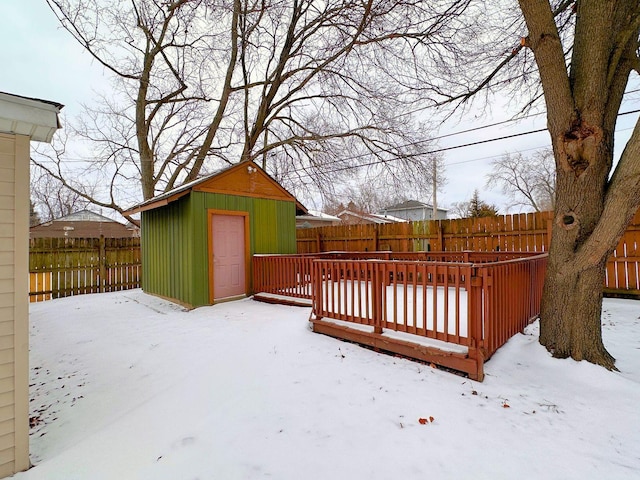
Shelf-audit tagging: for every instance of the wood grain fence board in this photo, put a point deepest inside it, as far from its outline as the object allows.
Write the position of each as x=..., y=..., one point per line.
x=528, y=232
x=83, y=265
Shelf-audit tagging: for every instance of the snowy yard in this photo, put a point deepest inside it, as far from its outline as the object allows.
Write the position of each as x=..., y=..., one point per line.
x=128, y=386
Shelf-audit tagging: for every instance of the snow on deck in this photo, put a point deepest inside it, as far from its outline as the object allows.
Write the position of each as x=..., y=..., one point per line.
x=406, y=305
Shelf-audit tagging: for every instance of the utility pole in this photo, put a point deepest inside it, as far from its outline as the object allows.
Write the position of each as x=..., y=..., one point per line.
x=434, y=169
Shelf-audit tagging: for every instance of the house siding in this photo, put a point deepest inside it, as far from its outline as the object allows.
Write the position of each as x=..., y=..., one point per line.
x=175, y=241
x=14, y=348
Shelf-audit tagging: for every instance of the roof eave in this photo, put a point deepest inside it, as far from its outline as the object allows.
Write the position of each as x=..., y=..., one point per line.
x=33, y=117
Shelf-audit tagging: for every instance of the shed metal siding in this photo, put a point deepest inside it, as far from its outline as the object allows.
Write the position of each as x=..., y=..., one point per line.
x=272, y=225
x=175, y=241
x=167, y=246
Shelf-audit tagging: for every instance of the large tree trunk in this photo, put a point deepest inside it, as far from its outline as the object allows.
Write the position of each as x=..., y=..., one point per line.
x=571, y=308
x=592, y=207
x=572, y=297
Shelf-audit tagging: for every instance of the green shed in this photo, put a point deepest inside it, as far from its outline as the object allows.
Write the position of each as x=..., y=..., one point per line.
x=198, y=239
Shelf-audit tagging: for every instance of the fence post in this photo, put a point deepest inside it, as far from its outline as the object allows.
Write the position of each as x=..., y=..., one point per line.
x=318, y=242
x=406, y=244
x=316, y=288
x=102, y=261
x=475, y=324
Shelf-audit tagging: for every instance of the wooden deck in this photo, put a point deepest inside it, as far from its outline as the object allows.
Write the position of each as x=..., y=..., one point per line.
x=454, y=313
x=460, y=361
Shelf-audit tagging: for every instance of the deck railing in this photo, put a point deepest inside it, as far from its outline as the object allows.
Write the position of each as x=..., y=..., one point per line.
x=512, y=292
x=426, y=299
x=472, y=300
x=288, y=275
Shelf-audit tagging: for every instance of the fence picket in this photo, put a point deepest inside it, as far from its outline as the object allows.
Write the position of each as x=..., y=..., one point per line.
x=61, y=267
x=529, y=232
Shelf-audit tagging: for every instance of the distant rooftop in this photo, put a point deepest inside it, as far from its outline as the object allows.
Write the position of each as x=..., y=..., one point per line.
x=84, y=216
x=410, y=204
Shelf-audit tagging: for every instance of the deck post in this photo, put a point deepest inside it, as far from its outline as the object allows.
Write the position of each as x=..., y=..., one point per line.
x=475, y=324
x=102, y=259
x=376, y=296
x=316, y=287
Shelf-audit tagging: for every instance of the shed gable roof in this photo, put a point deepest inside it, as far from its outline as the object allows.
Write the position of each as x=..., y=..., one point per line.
x=245, y=179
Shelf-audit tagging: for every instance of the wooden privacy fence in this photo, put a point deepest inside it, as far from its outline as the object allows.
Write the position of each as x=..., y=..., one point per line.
x=451, y=308
x=526, y=232
x=61, y=267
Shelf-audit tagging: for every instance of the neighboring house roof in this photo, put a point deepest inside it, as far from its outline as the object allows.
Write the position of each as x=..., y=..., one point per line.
x=370, y=217
x=262, y=186
x=84, y=216
x=83, y=224
x=315, y=218
x=318, y=216
x=323, y=216
x=29, y=116
x=410, y=205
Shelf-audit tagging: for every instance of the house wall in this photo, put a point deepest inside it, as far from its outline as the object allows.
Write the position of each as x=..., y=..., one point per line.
x=417, y=214
x=14, y=315
x=175, y=241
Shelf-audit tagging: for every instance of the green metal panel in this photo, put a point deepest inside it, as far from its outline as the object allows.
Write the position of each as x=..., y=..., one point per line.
x=175, y=241
x=271, y=230
x=167, y=254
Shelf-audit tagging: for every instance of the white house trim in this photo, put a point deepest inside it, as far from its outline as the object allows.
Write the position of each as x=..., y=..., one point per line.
x=37, y=119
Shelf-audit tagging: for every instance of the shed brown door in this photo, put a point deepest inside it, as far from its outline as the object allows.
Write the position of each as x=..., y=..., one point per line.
x=229, y=274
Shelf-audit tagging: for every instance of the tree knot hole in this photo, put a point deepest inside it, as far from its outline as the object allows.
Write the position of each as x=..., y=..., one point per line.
x=568, y=221
x=580, y=145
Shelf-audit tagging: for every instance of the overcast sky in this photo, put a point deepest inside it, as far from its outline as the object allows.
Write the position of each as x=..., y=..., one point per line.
x=41, y=60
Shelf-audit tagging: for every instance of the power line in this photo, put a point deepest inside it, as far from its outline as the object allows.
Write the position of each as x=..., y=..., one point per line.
x=413, y=144
x=439, y=150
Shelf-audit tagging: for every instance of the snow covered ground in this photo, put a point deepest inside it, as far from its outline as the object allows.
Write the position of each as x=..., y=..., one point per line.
x=128, y=386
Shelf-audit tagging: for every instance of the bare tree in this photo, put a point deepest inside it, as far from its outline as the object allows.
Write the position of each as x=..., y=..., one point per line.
x=374, y=191
x=593, y=205
x=529, y=181
x=367, y=196
x=34, y=216
x=50, y=199
x=311, y=89
x=584, y=53
x=171, y=65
